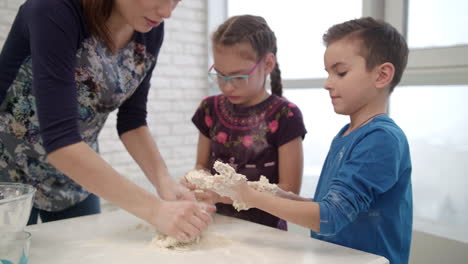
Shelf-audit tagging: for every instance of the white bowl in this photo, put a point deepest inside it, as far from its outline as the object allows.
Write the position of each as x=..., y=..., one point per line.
x=16, y=201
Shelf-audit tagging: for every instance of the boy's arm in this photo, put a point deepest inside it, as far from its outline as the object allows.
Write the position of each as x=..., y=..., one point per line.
x=291, y=162
x=299, y=211
x=371, y=170
x=290, y=195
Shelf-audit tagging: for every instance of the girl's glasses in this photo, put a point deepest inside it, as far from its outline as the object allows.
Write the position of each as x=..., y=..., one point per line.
x=237, y=81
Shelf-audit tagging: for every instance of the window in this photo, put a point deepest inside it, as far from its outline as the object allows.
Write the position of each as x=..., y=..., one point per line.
x=436, y=78
x=322, y=125
x=441, y=24
x=436, y=130
x=299, y=31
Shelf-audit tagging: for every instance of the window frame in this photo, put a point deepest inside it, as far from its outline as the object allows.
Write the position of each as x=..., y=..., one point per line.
x=426, y=66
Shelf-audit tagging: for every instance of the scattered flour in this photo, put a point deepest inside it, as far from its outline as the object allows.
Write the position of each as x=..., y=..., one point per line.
x=168, y=242
x=207, y=241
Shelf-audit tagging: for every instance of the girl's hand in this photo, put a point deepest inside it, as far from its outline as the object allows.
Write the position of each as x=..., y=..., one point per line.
x=183, y=220
x=187, y=184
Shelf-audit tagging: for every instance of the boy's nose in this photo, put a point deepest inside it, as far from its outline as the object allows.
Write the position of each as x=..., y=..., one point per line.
x=328, y=84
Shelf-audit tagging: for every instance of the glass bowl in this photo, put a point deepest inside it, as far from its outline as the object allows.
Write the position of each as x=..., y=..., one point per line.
x=16, y=201
x=14, y=247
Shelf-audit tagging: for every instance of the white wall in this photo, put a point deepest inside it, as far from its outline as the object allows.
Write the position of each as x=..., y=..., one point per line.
x=178, y=85
x=8, y=10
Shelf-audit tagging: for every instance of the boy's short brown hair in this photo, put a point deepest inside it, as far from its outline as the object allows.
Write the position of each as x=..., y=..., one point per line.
x=381, y=43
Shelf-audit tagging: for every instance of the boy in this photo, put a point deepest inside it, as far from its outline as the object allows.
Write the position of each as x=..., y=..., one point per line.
x=363, y=198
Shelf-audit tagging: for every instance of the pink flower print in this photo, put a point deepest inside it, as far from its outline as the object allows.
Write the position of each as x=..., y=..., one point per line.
x=221, y=137
x=140, y=48
x=290, y=114
x=208, y=121
x=273, y=126
x=247, y=141
x=292, y=105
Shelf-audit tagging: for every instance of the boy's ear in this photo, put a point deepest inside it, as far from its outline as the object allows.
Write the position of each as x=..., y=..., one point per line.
x=270, y=62
x=385, y=73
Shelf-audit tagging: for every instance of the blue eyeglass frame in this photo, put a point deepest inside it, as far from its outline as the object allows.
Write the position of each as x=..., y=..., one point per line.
x=228, y=78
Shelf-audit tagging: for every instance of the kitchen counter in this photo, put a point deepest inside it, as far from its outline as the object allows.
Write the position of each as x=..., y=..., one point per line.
x=119, y=237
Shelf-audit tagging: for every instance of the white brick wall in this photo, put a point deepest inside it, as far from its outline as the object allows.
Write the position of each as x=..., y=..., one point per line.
x=178, y=85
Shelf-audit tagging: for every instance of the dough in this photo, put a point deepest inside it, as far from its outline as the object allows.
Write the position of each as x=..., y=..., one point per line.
x=226, y=178
x=221, y=184
x=163, y=241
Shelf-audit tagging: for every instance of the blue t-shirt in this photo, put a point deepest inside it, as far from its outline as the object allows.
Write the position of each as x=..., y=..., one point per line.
x=364, y=191
x=58, y=85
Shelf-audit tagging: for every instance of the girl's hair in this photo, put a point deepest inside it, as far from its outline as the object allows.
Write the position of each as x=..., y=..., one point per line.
x=97, y=12
x=255, y=31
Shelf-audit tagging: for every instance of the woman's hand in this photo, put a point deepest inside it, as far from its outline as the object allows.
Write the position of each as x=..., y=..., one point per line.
x=170, y=190
x=183, y=220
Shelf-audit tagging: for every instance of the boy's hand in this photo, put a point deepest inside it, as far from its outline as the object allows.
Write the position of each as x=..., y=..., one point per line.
x=240, y=192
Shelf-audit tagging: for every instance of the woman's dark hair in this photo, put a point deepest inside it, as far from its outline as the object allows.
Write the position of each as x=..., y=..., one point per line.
x=255, y=31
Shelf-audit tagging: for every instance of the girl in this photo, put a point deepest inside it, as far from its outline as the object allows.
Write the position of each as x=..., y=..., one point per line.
x=257, y=133
x=65, y=66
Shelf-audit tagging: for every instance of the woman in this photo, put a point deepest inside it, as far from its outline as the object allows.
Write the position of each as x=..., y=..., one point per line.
x=64, y=67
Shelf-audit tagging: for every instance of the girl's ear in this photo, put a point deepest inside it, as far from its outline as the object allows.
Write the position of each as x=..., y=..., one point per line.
x=270, y=62
x=385, y=73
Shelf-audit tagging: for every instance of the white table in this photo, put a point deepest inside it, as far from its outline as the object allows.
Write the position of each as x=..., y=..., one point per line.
x=118, y=237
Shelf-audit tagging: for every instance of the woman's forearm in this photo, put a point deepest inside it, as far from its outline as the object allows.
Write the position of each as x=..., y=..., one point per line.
x=83, y=165
x=144, y=151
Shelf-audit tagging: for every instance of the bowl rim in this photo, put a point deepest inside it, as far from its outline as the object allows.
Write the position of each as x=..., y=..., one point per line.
x=31, y=191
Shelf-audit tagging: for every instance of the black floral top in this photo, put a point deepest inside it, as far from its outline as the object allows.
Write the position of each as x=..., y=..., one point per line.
x=248, y=138
x=58, y=85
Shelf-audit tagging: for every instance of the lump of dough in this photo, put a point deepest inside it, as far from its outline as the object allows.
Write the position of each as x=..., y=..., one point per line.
x=167, y=242
x=222, y=182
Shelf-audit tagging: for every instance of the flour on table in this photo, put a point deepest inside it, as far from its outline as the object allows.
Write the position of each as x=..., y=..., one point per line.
x=168, y=242
x=226, y=178
x=207, y=241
